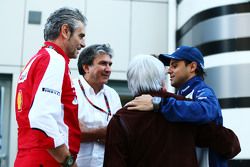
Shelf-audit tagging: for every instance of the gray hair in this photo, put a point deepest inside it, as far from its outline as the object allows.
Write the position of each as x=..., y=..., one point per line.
x=145, y=74
x=58, y=18
x=88, y=55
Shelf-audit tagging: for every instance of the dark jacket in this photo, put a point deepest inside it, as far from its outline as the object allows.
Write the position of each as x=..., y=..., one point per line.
x=146, y=139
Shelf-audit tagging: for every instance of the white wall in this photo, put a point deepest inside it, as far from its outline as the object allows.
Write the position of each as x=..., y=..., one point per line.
x=130, y=27
x=238, y=120
x=12, y=19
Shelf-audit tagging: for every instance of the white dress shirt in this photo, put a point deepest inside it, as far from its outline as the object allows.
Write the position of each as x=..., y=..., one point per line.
x=91, y=153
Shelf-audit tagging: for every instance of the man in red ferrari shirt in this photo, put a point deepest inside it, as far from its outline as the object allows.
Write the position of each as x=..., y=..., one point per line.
x=46, y=103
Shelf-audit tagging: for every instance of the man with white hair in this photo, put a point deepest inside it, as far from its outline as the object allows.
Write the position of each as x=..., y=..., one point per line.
x=136, y=138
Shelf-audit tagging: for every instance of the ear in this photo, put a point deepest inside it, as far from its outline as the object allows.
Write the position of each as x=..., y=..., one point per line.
x=85, y=68
x=164, y=86
x=193, y=66
x=65, y=32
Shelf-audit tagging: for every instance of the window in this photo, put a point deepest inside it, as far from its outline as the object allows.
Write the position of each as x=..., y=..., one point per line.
x=5, y=102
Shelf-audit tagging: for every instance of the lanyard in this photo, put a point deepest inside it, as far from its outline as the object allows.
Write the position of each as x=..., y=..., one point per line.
x=98, y=108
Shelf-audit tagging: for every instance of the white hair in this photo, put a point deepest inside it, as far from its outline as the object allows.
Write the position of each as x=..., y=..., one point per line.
x=145, y=73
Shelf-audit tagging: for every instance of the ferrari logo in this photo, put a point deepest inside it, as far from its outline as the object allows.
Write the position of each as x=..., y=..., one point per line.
x=19, y=100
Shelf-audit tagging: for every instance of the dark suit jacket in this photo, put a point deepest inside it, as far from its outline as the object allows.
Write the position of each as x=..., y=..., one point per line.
x=146, y=139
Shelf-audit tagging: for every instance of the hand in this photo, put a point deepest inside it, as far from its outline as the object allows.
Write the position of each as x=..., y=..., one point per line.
x=101, y=131
x=141, y=103
x=59, y=153
x=82, y=126
x=101, y=141
x=92, y=134
x=74, y=165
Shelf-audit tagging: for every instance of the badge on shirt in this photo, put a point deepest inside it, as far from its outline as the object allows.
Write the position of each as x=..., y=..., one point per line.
x=19, y=101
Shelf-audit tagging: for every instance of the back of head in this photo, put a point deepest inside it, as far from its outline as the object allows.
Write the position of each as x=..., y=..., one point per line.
x=58, y=18
x=89, y=53
x=145, y=74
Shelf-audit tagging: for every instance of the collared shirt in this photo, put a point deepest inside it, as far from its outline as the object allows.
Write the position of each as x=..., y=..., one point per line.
x=91, y=153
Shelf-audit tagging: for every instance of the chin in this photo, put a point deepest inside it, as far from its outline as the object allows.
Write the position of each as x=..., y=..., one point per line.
x=173, y=84
x=75, y=55
x=72, y=56
x=105, y=81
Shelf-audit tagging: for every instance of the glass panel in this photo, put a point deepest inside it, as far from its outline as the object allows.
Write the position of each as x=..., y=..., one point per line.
x=5, y=101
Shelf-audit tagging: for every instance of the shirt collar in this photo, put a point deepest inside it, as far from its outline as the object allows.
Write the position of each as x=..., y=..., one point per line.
x=88, y=88
x=59, y=50
x=187, y=87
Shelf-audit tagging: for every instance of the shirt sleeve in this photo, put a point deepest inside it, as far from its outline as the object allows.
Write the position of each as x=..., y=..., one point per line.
x=116, y=152
x=117, y=101
x=202, y=109
x=47, y=110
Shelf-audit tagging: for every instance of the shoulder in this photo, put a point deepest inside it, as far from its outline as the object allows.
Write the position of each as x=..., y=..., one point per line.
x=75, y=81
x=53, y=54
x=135, y=114
x=122, y=111
x=110, y=90
x=202, y=89
x=127, y=117
x=50, y=58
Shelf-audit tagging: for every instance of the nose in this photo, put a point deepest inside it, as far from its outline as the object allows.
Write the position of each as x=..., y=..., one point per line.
x=108, y=68
x=169, y=71
x=83, y=43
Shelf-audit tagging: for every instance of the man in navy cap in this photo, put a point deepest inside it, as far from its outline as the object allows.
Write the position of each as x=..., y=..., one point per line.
x=186, y=70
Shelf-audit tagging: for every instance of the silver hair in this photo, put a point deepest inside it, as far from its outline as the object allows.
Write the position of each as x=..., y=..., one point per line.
x=58, y=18
x=145, y=74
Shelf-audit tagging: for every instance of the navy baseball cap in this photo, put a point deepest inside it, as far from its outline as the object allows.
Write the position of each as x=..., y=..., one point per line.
x=184, y=53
